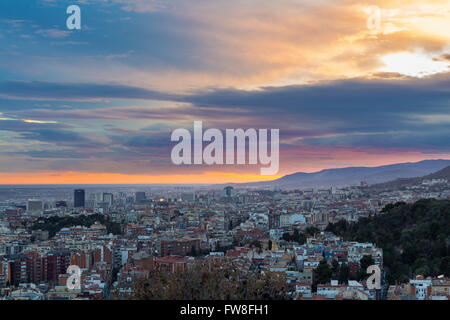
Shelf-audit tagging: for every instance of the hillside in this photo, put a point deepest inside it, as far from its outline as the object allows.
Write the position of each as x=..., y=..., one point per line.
x=441, y=174
x=415, y=237
x=354, y=175
x=408, y=182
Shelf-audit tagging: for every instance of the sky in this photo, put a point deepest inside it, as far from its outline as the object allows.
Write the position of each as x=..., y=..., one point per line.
x=98, y=105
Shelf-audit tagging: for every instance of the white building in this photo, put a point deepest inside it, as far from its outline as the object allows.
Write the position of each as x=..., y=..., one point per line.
x=421, y=287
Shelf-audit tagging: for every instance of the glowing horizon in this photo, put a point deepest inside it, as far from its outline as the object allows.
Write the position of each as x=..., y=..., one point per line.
x=209, y=177
x=111, y=178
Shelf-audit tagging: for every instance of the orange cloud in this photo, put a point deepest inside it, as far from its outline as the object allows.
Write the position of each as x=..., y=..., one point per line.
x=118, y=178
x=289, y=42
x=254, y=43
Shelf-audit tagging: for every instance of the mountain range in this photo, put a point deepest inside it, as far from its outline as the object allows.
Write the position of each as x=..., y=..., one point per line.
x=341, y=177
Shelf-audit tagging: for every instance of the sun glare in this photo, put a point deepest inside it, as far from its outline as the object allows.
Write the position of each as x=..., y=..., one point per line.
x=413, y=64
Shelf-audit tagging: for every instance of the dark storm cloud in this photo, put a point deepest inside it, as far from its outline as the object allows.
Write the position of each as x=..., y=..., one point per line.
x=379, y=112
x=36, y=90
x=55, y=133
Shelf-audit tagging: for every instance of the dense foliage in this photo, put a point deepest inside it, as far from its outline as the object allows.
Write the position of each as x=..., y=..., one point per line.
x=211, y=282
x=323, y=272
x=415, y=237
x=54, y=224
x=298, y=237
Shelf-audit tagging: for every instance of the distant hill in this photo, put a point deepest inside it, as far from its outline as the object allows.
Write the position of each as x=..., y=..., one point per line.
x=407, y=182
x=354, y=175
x=441, y=174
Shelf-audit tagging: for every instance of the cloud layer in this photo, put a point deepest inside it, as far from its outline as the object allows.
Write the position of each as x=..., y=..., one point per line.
x=106, y=98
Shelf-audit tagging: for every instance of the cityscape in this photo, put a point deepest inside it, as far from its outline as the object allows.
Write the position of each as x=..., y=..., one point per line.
x=120, y=235
x=217, y=158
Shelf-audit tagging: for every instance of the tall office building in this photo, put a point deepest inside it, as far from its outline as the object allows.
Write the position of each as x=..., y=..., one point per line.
x=140, y=196
x=188, y=197
x=108, y=198
x=78, y=198
x=274, y=220
x=98, y=198
x=34, y=205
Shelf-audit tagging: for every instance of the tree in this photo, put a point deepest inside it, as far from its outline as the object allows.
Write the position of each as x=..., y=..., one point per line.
x=444, y=267
x=344, y=273
x=409, y=253
x=298, y=237
x=55, y=224
x=257, y=244
x=364, y=263
x=286, y=237
x=211, y=282
x=311, y=231
x=335, y=267
x=323, y=272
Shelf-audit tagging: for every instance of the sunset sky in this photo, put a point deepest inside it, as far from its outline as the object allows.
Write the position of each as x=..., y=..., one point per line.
x=98, y=105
